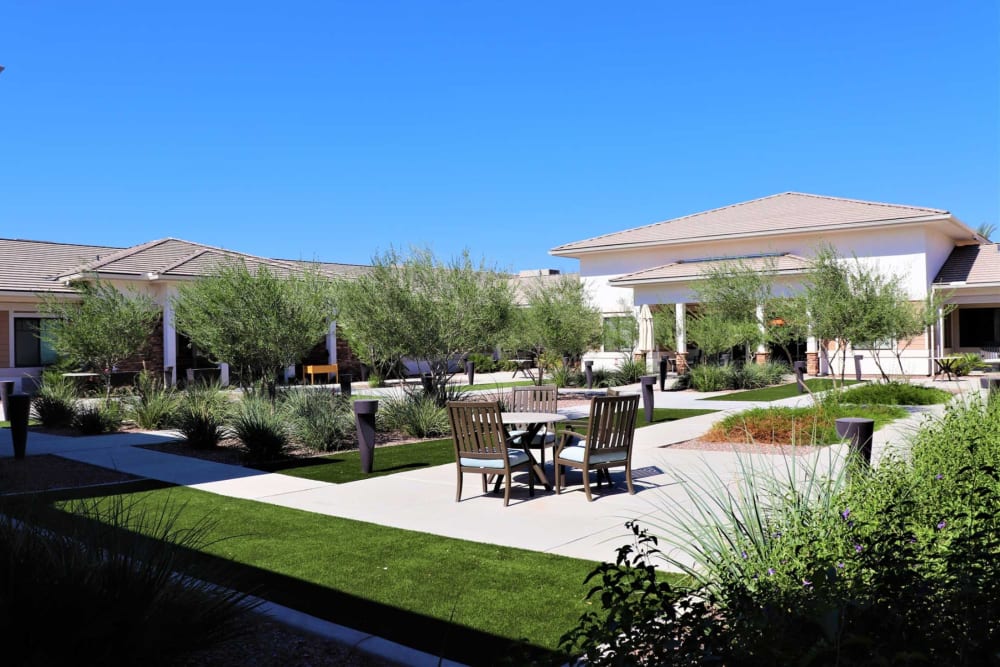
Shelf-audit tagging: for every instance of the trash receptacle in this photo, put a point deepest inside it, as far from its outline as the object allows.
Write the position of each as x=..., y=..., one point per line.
x=861, y=432
x=647, y=382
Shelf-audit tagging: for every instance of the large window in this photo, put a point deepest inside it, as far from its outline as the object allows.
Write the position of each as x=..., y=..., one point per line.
x=29, y=348
x=978, y=327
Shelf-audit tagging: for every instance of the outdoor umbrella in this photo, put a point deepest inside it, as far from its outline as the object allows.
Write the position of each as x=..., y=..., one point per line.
x=645, y=329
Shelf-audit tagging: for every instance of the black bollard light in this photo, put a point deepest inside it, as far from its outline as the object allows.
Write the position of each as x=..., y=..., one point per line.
x=364, y=418
x=364, y=372
x=857, y=366
x=663, y=373
x=427, y=382
x=18, y=408
x=800, y=371
x=588, y=369
x=470, y=370
x=861, y=431
x=345, y=383
x=991, y=385
x=647, y=382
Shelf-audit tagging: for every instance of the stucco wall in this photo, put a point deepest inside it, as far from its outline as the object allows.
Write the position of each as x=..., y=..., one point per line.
x=5, y=356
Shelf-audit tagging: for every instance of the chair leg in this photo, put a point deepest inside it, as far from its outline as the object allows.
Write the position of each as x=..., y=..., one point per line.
x=458, y=493
x=531, y=483
x=506, y=489
x=556, y=469
x=586, y=484
x=628, y=477
x=485, y=484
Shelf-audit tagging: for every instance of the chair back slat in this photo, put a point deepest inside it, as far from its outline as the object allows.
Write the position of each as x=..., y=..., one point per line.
x=535, y=399
x=477, y=430
x=612, y=423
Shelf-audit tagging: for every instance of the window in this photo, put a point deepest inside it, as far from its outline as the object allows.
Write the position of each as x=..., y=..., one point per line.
x=978, y=326
x=620, y=333
x=29, y=349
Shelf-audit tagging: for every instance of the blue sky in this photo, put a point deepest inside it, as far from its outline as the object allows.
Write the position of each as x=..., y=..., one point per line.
x=332, y=130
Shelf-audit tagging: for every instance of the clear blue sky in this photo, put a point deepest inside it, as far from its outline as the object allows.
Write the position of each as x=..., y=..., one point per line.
x=332, y=130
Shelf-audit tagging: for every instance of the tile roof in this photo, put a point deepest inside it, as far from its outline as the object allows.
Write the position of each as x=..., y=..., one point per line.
x=971, y=264
x=42, y=266
x=780, y=213
x=688, y=269
x=522, y=285
x=33, y=266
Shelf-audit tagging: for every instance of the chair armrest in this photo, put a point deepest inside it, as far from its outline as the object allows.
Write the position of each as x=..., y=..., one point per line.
x=565, y=437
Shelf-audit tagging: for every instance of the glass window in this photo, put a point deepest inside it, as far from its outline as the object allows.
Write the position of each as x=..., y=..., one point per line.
x=978, y=327
x=29, y=348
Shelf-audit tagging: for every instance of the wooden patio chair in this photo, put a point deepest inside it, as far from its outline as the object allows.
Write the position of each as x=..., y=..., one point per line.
x=482, y=446
x=535, y=399
x=607, y=443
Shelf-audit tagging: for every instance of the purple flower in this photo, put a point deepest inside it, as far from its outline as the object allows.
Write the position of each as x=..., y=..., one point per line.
x=840, y=565
x=939, y=476
x=770, y=571
x=846, y=513
x=745, y=555
x=806, y=583
x=941, y=525
x=858, y=548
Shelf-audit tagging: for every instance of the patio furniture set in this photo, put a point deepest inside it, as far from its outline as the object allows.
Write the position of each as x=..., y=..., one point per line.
x=484, y=444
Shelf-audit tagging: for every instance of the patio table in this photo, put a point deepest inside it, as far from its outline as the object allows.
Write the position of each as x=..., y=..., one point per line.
x=533, y=421
x=947, y=365
x=523, y=367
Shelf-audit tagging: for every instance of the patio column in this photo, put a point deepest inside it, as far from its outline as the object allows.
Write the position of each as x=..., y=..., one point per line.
x=812, y=355
x=680, y=313
x=169, y=342
x=331, y=343
x=761, y=355
x=940, y=332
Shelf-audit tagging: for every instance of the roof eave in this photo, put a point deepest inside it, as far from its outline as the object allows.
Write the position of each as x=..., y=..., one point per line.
x=629, y=282
x=920, y=220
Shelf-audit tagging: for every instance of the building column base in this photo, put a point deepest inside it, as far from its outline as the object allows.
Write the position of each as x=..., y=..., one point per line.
x=682, y=363
x=812, y=363
x=761, y=357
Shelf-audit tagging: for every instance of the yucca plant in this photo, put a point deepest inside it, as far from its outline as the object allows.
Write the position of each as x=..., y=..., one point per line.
x=202, y=415
x=153, y=405
x=54, y=405
x=261, y=426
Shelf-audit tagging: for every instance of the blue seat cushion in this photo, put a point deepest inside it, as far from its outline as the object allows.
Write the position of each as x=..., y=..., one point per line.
x=543, y=437
x=515, y=456
x=575, y=453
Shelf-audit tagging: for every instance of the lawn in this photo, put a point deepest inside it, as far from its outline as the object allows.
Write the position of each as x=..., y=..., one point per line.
x=450, y=597
x=779, y=391
x=661, y=415
x=486, y=386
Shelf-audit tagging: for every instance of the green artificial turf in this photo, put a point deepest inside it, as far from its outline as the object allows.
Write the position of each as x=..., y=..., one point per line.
x=511, y=594
x=779, y=391
x=346, y=466
x=486, y=386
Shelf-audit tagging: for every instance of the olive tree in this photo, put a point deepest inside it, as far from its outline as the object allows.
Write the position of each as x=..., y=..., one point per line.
x=102, y=329
x=426, y=309
x=860, y=306
x=257, y=321
x=558, y=321
x=729, y=295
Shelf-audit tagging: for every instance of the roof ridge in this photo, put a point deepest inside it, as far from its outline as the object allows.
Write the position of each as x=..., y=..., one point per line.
x=74, y=245
x=115, y=256
x=867, y=202
x=683, y=217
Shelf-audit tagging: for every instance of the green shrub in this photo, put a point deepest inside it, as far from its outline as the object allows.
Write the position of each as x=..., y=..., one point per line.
x=756, y=376
x=968, y=362
x=261, y=427
x=320, y=419
x=710, y=377
x=54, y=405
x=846, y=565
x=416, y=414
x=375, y=379
x=97, y=593
x=153, y=405
x=484, y=362
x=202, y=414
x=894, y=393
x=630, y=370
x=97, y=418
x=567, y=376
x=507, y=365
